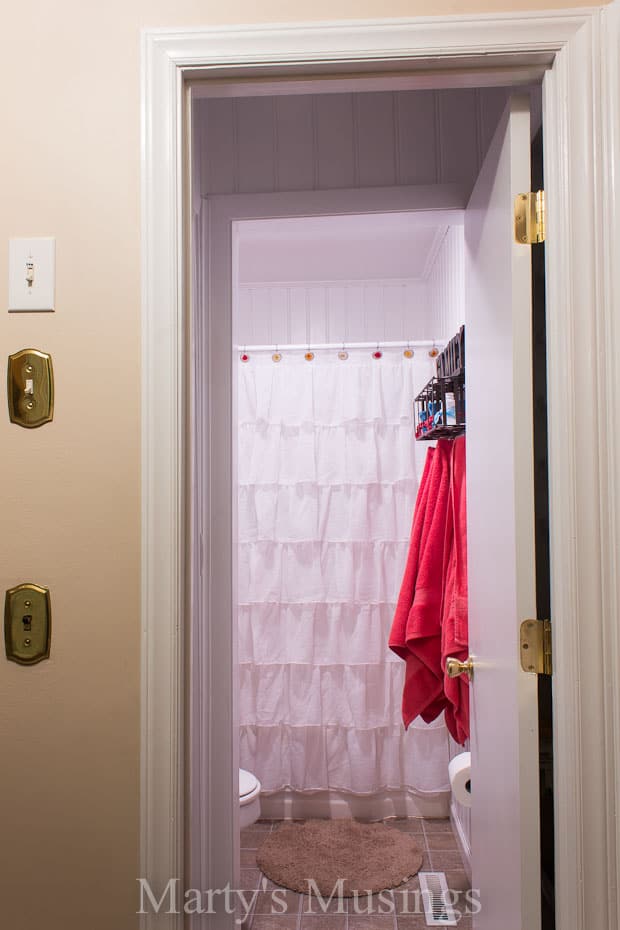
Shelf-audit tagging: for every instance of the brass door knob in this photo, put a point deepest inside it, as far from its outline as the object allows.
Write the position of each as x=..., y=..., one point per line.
x=454, y=668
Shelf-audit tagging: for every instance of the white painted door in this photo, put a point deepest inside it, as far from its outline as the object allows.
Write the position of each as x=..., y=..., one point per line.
x=500, y=504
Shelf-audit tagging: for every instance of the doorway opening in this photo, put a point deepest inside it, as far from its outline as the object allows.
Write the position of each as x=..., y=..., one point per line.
x=248, y=186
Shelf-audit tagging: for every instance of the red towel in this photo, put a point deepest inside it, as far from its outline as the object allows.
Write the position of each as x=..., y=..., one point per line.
x=454, y=618
x=416, y=628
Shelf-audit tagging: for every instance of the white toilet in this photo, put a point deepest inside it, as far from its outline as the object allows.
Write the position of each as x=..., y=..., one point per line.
x=249, y=799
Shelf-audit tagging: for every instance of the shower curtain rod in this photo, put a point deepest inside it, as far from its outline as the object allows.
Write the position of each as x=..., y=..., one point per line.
x=285, y=347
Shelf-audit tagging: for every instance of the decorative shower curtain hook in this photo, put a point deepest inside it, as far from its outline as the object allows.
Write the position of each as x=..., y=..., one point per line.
x=377, y=353
x=277, y=356
x=309, y=355
x=343, y=354
x=408, y=353
x=244, y=356
x=433, y=352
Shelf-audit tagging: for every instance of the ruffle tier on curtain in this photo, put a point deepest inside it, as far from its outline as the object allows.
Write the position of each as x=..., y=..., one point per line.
x=328, y=474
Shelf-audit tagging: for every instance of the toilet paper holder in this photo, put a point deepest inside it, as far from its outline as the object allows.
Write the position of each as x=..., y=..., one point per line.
x=459, y=773
x=454, y=667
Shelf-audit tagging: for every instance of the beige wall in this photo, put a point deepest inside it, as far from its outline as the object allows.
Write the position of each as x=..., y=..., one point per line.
x=69, y=167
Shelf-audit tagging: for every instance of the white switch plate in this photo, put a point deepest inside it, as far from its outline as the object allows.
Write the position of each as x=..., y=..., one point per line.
x=42, y=253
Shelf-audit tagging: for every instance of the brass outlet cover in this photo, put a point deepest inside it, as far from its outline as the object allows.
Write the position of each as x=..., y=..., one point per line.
x=30, y=384
x=27, y=624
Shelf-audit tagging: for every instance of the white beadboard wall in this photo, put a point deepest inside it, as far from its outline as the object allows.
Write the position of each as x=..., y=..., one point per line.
x=343, y=311
x=343, y=140
x=270, y=313
x=445, y=286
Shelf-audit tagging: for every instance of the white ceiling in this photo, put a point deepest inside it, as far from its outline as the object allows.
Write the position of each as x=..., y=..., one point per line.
x=333, y=248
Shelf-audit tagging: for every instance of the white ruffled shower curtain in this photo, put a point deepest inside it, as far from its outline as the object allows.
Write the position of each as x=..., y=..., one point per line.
x=328, y=473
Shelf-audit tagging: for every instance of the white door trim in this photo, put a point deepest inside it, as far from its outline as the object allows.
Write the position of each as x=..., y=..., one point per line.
x=582, y=133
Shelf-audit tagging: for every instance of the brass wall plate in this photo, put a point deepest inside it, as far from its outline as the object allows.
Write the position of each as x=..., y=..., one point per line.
x=30, y=385
x=27, y=624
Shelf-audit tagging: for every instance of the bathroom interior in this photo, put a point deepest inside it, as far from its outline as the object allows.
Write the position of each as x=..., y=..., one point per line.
x=329, y=363
x=341, y=321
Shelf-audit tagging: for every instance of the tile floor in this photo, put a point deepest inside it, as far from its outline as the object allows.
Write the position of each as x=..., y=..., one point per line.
x=441, y=854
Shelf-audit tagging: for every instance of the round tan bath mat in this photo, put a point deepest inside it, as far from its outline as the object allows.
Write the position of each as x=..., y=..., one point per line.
x=365, y=856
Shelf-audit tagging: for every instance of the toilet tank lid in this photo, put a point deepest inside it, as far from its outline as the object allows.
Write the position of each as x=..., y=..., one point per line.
x=247, y=782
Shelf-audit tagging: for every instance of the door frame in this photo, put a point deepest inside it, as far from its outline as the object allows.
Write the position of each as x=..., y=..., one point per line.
x=582, y=131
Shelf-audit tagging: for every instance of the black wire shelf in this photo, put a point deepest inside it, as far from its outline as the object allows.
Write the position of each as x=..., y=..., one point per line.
x=439, y=408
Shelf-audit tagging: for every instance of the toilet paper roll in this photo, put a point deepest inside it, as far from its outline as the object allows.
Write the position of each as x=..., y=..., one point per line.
x=459, y=771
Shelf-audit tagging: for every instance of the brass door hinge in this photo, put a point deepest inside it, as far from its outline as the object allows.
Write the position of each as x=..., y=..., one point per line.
x=530, y=218
x=535, y=647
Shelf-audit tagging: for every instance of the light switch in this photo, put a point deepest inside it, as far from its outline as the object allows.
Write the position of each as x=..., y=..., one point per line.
x=32, y=273
x=30, y=384
x=27, y=624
